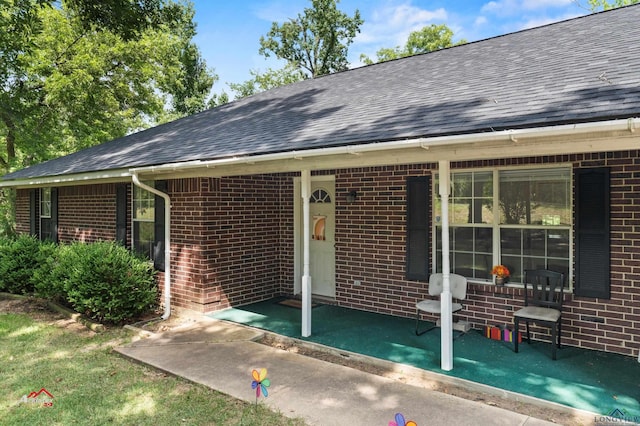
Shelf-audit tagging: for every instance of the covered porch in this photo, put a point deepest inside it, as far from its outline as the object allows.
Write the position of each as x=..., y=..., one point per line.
x=583, y=379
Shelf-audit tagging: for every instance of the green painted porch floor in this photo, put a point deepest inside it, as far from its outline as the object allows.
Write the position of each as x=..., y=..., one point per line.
x=589, y=380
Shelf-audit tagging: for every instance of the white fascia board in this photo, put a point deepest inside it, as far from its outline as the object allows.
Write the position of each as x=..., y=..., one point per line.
x=105, y=176
x=519, y=136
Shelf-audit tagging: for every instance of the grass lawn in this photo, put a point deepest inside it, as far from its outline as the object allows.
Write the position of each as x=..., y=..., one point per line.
x=92, y=385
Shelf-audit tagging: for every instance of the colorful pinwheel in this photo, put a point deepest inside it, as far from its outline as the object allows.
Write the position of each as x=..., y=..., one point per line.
x=401, y=422
x=260, y=383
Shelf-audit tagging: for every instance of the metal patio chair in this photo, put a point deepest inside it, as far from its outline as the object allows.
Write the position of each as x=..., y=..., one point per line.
x=458, y=285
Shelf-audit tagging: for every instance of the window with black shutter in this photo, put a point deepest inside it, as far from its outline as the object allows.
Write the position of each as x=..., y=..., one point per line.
x=48, y=214
x=148, y=223
x=592, y=233
x=158, y=245
x=33, y=212
x=121, y=213
x=418, y=189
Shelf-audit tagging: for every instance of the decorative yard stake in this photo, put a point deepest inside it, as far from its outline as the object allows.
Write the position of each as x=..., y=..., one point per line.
x=260, y=383
x=401, y=422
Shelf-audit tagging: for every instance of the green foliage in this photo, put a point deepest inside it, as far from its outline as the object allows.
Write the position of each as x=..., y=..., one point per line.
x=126, y=18
x=67, y=88
x=596, y=5
x=18, y=259
x=429, y=38
x=316, y=41
x=7, y=212
x=103, y=280
x=267, y=80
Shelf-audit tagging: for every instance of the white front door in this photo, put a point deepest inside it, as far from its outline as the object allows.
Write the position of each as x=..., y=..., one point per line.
x=322, y=249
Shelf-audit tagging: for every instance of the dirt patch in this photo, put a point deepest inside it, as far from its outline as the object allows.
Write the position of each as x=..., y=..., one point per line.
x=38, y=310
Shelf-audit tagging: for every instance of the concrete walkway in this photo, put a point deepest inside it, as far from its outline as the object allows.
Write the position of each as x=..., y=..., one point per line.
x=222, y=355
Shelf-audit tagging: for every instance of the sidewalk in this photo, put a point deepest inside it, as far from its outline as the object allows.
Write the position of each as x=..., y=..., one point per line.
x=222, y=355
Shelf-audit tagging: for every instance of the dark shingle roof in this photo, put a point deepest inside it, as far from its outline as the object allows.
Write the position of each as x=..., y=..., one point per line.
x=584, y=69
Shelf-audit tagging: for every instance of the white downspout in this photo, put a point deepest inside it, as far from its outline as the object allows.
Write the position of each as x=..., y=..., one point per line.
x=167, y=242
x=446, y=315
x=306, y=274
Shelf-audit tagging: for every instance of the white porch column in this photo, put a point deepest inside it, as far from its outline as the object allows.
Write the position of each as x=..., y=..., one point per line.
x=306, y=232
x=446, y=317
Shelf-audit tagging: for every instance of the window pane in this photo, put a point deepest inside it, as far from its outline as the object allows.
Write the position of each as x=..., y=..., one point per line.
x=558, y=243
x=535, y=197
x=533, y=242
x=511, y=241
x=463, y=264
x=45, y=202
x=143, y=237
x=471, y=198
x=484, y=240
x=144, y=210
x=461, y=185
x=462, y=239
x=471, y=249
x=460, y=210
x=482, y=266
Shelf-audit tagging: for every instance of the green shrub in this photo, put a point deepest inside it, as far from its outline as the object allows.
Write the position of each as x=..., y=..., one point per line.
x=19, y=258
x=51, y=274
x=4, y=248
x=105, y=281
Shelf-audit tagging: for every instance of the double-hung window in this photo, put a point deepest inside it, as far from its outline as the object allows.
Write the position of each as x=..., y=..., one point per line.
x=48, y=214
x=143, y=221
x=520, y=218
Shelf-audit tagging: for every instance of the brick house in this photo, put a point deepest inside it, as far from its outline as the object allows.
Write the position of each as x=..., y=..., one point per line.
x=330, y=186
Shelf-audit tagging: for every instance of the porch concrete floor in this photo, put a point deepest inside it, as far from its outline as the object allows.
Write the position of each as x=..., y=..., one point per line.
x=587, y=380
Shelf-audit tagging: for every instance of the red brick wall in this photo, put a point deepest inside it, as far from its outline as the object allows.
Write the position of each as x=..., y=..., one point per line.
x=232, y=243
x=370, y=240
x=371, y=248
x=22, y=211
x=232, y=240
x=87, y=213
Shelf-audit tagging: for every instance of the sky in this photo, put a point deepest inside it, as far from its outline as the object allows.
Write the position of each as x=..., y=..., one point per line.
x=229, y=30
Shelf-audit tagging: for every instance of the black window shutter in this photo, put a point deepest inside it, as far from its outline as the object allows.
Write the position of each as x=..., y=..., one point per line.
x=33, y=212
x=54, y=214
x=592, y=233
x=121, y=213
x=158, y=246
x=418, y=199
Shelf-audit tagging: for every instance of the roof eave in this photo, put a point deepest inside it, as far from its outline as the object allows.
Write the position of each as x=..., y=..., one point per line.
x=619, y=135
x=102, y=176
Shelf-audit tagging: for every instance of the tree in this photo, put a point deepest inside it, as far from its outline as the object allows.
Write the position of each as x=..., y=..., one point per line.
x=127, y=18
x=316, y=42
x=267, y=80
x=429, y=38
x=596, y=5
x=66, y=85
x=72, y=88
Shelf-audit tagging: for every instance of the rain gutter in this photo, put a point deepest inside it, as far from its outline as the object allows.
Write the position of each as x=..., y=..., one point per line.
x=167, y=242
x=629, y=125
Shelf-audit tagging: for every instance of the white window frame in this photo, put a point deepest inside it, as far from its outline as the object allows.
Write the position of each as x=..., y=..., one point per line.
x=496, y=225
x=135, y=199
x=45, y=203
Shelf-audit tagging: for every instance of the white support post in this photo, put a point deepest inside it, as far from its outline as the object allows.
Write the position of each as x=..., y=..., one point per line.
x=306, y=232
x=446, y=319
